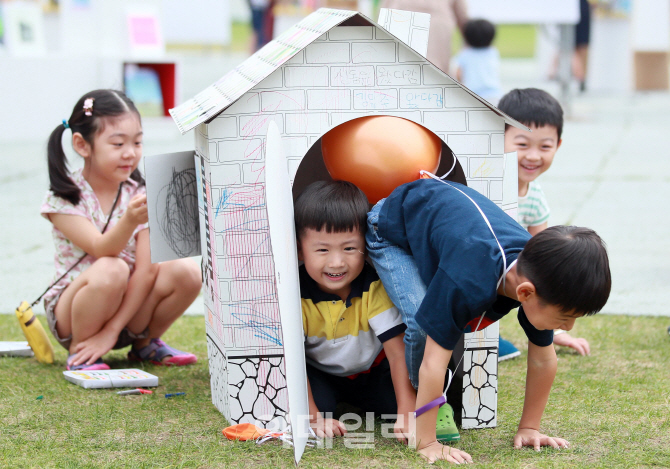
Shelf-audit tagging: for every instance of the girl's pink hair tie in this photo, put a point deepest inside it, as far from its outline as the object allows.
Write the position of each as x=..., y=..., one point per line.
x=88, y=106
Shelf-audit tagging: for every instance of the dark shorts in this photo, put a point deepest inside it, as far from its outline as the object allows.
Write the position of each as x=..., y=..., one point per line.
x=371, y=392
x=583, y=28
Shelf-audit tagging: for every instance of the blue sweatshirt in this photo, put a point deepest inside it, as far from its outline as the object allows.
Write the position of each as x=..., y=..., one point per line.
x=457, y=256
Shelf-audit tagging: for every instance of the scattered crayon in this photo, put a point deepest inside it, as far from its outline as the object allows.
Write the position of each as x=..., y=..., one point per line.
x=39, y=398
x=174, y=394
x=134, y=391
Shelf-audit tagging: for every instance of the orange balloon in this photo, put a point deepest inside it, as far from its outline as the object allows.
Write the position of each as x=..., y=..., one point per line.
x=379, y=153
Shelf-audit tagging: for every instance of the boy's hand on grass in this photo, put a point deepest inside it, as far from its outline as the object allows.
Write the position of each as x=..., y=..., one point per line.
x=436, y=451
x=531, y=437
x=579, y=344
x=327, y=427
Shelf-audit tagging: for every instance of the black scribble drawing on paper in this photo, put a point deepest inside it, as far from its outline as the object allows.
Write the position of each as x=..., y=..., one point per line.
x=177, y=209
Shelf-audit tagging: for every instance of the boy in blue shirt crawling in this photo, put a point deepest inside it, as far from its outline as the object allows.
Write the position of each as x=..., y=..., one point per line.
x=452, y=261
x=353, y=333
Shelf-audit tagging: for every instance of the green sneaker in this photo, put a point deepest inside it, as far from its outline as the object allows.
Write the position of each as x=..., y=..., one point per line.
x=446, y=427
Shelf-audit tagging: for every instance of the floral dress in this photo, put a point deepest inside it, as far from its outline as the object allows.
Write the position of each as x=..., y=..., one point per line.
x=67, y=254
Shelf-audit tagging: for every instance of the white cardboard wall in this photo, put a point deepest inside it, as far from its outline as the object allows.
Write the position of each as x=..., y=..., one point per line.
x=331, y=81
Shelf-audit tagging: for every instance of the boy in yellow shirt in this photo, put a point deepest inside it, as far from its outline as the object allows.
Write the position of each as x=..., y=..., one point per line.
x=353, y=332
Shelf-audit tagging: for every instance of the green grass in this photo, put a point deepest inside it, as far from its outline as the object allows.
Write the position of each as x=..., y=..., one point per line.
x=512, y=40
x=614, y=407
x=240, y=36
x=516, y=40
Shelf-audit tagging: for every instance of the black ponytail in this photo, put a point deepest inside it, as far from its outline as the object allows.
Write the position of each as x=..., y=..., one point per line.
x=106, y=103
x=60, y=182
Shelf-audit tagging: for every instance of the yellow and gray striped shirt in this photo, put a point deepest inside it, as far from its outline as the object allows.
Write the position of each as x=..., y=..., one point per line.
x=344, y=338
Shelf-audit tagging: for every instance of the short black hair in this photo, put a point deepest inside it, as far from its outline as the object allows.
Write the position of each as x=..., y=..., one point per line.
x=533, y=107
x=569, y=267
x=336, y=206
x=479, y=33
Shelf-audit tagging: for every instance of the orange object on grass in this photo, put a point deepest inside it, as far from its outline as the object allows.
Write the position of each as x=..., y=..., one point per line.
x=244, y=432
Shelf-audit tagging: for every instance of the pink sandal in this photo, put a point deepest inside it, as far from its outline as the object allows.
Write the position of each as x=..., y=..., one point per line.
x=97, y=365
x=157, y=350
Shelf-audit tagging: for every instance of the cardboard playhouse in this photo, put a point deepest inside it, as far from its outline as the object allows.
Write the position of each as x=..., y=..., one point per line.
x=330, y=68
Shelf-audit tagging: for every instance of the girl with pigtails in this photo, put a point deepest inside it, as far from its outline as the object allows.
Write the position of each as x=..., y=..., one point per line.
x=108, y=294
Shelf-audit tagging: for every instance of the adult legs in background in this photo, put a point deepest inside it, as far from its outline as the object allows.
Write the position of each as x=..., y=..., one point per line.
x=262, y=22
x=582, y=37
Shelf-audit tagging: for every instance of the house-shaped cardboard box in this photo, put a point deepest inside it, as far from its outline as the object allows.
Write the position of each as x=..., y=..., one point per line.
x=332, y=67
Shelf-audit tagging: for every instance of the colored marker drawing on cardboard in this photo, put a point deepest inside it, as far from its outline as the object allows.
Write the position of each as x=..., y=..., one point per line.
x=332, y=67
x=282, y=233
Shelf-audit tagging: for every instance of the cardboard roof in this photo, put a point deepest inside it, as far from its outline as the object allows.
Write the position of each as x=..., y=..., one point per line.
x=216, y=98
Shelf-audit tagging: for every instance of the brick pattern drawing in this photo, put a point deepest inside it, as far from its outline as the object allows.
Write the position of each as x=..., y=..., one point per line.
x=258, y=392
x=348, y=72
x=480, y=378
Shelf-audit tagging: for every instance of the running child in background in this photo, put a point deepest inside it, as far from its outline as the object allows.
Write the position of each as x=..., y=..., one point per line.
x=353, y=333
x=478, y=64
x=114, y=296
x=543, y=114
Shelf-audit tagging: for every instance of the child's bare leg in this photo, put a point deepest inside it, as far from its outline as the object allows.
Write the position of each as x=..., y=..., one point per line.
x=177, y=285
x=431, y=381
x=91, y=300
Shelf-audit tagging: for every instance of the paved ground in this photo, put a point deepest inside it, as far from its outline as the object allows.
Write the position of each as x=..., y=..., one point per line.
x=612, y=174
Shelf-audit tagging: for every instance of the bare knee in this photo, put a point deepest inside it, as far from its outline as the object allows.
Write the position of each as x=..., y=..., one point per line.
x=111, y=276
x=149, y=272
x=184, y=276
x=191, y=277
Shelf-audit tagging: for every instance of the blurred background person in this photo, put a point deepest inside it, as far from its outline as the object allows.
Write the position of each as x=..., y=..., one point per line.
x=478, y=64
x=579, y=62
x=582, y=38
x=444, y=16
x=262, y=21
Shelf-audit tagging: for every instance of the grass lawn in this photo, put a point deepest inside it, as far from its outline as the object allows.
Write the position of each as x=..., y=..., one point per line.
x=614, y=407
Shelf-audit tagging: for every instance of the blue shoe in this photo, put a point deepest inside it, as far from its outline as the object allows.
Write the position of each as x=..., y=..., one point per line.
x=506, y=350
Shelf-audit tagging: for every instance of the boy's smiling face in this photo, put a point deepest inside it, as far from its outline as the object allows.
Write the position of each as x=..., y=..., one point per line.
x=333, y=260
x=535, y=150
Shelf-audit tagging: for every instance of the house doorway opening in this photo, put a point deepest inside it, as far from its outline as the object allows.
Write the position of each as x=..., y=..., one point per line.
x=312, y=168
